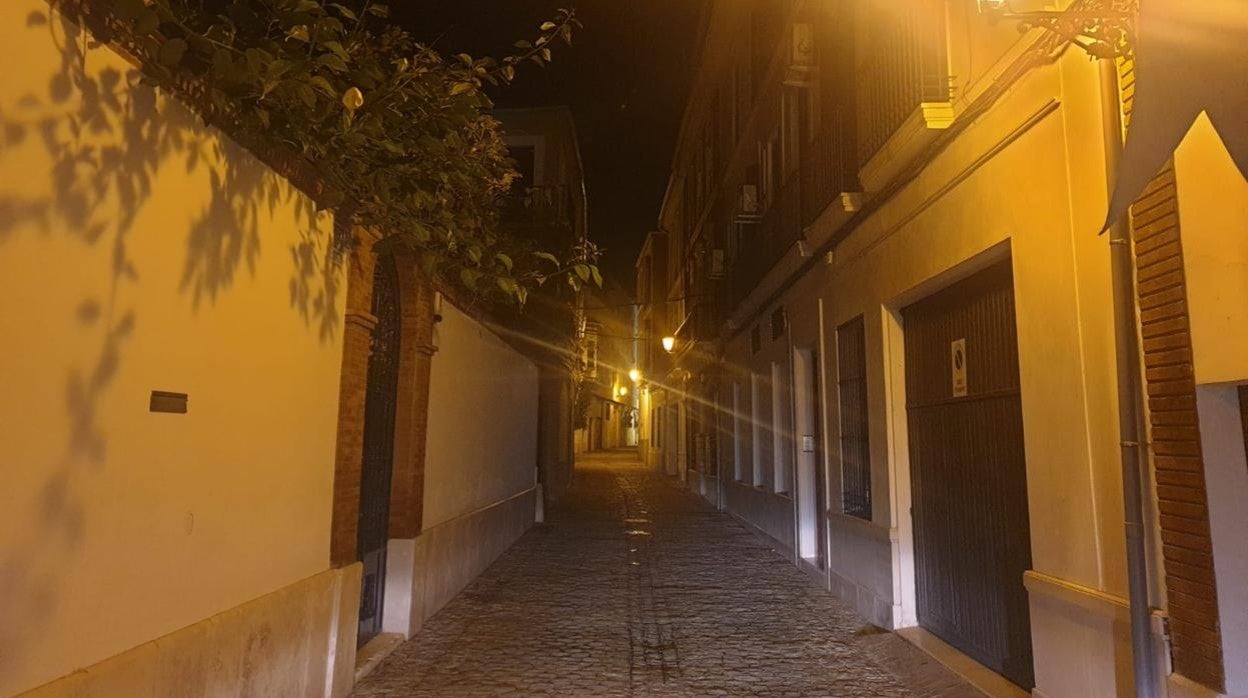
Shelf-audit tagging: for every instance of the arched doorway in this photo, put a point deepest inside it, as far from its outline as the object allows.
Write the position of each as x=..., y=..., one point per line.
x=381, y=400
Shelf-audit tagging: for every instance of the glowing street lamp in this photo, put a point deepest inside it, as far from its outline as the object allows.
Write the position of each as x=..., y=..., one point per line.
x=669, y=344
x=623, y=390
x=634, y=375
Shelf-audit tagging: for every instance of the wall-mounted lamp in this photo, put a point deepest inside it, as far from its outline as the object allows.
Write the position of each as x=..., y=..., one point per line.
x=1106, y=29
x=634, y=375
x=623, y=390
x=669, y=343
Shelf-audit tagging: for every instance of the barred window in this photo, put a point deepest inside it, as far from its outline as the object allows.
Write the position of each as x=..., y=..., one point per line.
x=851, y=353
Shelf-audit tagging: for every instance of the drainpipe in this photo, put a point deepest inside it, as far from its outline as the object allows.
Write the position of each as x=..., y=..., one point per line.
x=1127, y=342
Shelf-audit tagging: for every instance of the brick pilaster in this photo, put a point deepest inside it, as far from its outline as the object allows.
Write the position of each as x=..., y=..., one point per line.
x=407, y=483
x=353, y=384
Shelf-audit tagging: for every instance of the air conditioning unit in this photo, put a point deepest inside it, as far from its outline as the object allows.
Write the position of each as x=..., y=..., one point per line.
x=803, y=45
x=803, y=59
x=749, y=199
x=717, y=264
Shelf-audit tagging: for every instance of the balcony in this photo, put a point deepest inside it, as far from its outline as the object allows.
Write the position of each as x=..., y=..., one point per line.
x=903, y=69
x=545, y=214
x=764, y=244
x=829, y=168
x=701, y=324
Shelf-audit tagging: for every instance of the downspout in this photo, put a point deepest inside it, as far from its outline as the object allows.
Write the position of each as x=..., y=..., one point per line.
x=1127, y=342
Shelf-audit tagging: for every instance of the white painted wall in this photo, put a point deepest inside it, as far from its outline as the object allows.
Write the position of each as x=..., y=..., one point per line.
x=194, y=269
x=1213, y=213
x=482, y=444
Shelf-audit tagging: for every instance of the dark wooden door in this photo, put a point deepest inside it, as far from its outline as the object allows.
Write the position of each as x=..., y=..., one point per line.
x=378, y=462
x=968, y=471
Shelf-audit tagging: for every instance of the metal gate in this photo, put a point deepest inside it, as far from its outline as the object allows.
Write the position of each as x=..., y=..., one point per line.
x=969, y=477
x=378, y=462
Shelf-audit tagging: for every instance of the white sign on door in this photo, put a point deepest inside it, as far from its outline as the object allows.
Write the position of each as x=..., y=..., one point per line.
x=958, y=359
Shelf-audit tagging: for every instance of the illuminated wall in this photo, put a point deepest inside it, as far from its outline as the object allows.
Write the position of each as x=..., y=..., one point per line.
x=140, y=251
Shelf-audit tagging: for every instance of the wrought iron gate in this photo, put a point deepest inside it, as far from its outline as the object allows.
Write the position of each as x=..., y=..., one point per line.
x=378, y=462
x=968, y=470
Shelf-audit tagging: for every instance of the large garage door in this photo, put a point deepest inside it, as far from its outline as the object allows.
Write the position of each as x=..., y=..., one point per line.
x=968, y=472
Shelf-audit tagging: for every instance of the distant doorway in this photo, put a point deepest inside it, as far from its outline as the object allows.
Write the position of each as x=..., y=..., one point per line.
x=381, y=400
x=811, y=496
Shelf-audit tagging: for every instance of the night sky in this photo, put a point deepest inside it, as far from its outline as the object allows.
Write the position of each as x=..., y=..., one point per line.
x=625, y=77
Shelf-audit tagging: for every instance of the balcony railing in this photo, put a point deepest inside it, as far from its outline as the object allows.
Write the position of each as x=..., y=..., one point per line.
x=546, y=213
x=905, y=65
x=829, y=167
x=701, y=324
x=764, y=243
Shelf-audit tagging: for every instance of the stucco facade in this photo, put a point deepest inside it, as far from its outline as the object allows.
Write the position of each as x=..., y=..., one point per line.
x=183, y=391
x=1007, y=167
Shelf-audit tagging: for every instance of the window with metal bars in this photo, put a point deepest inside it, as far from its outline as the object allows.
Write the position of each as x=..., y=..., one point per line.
x=855, y=443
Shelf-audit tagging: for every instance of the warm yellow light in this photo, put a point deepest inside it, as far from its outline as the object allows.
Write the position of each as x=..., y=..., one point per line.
x=634, y=375
x=623, y=390
x=669, y=343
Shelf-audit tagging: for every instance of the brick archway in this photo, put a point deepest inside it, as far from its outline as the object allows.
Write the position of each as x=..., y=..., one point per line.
x=411, y=417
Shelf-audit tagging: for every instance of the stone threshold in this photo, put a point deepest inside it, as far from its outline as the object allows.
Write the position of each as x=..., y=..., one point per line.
x=374, y=651
x=981, y=677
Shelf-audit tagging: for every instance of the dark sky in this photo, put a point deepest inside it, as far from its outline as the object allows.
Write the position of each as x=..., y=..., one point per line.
x=625, y=77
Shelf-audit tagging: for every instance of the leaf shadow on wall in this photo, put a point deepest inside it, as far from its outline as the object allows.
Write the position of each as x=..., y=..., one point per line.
x=108, y=140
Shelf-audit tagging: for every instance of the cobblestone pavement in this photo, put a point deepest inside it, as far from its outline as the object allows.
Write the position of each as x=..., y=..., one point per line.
x=634, y=587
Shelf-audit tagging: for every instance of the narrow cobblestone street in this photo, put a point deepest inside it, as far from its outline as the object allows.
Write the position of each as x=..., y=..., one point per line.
x=634, y=587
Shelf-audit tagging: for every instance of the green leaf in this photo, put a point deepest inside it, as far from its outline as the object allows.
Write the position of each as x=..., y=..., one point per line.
x=582, y=270
x=504, y=260
x=597, y=275
x=474, y=253
x=333, y=62
x=379, y=10
x=548, y=257
x=344, y=11
x=337, y=49
x=147, y=23
x=508, y=285
x=420, y=232
x=305, y=94
x=547, y=26
x=460, y=88
x=171, y=52
x=319, y=82
x=469, y=277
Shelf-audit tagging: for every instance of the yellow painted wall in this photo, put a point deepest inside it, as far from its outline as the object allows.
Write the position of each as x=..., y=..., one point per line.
x=1213, y=213
x=139, y=252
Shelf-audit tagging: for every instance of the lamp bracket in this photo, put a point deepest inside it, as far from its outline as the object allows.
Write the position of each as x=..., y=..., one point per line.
x=1102, y=28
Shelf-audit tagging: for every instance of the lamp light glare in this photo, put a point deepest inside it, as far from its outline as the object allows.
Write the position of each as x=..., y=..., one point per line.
x=634, y=375
x=669, y=343
x=623, y=390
